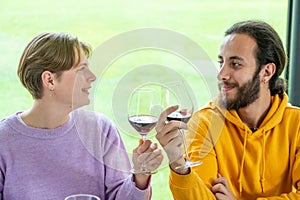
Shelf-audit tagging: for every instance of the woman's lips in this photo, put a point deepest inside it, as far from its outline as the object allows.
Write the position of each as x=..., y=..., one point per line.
x=86, y=90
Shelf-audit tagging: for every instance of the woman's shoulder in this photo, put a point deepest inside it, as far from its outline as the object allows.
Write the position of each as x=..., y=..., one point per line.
x=8, y=127
x=93, y=125
x=8, y=121
x=88, y=118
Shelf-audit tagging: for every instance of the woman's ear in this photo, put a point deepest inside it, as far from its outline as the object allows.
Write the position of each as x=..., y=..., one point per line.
x=268, y=71
x=48, y=80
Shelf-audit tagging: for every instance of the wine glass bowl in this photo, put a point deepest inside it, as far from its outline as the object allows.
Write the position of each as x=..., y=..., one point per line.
x=82, y=197
x=143, y=116
x=176, y=93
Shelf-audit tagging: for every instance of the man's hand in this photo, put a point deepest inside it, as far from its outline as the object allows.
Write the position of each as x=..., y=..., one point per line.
x=221, y=189
x=169, y=137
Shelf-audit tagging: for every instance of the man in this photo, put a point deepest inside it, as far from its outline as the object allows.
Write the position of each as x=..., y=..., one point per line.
x=248, y=138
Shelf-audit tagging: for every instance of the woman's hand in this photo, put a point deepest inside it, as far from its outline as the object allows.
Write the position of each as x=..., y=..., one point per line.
x=147, y=156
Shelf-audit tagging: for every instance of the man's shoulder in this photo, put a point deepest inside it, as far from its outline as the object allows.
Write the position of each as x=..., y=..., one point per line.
x=293, y=107
x=292, y=110
x=210, y=107
x=208, y=111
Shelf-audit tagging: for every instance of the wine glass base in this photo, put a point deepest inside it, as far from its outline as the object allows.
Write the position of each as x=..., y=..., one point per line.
x=145, y=172
x=189, y=164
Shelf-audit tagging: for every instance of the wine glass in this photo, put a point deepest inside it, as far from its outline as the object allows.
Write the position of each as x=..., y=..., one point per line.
x=82, y=197
x=142, y=115
x=177, y=93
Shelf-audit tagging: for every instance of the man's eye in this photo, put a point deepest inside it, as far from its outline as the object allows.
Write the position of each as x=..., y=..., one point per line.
x=220, y=63
x=235, y=65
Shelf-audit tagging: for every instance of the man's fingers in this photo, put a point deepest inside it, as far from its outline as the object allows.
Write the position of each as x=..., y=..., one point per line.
x=170, y=131
x=222, y=180
x=165, y=137
x=219, y=188
x=163, y=117
x=168, y=111
x=220, y=196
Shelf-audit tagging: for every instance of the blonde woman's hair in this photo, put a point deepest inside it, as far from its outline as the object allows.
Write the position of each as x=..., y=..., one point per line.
x=54, y=52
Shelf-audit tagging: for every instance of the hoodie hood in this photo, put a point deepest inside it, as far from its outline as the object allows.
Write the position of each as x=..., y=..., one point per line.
x=278, y=105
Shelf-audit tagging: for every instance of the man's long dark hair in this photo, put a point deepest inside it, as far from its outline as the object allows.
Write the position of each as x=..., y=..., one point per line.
x=269, y=49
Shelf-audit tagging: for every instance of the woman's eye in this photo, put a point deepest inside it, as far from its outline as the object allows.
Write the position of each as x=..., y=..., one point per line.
x=81, y=69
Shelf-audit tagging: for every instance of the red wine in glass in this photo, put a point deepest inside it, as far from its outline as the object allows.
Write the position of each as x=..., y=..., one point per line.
x=143, y=124
x=179, y=116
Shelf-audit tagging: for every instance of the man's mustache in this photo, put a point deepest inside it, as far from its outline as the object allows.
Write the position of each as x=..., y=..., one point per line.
x=227, y=84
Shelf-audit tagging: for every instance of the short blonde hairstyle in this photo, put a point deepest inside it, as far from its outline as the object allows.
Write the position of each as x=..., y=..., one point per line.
x=54, y=52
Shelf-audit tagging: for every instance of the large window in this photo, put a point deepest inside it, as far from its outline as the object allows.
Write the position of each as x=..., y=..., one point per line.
x=95, y=22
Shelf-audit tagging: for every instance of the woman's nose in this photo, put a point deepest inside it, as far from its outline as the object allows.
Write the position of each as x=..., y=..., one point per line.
x=92, y=76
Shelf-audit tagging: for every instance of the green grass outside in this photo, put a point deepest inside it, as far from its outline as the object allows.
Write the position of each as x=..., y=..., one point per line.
x=95, y=21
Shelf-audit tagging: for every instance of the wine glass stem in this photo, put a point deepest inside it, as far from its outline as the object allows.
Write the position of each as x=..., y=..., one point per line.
x=143, y=137
x=143, y=166
x=184, y=145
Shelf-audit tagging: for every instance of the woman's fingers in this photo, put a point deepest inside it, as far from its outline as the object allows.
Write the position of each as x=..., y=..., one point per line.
x=154, y=163
x=151, y=160
x=145, y=146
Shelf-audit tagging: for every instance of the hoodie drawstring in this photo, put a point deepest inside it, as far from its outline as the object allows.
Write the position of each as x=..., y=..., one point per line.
x=242, y=164
x=263, y=168
x=262, y=179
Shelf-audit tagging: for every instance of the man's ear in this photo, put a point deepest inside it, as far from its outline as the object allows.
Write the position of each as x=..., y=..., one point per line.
x=48, y=80
x=268, y=71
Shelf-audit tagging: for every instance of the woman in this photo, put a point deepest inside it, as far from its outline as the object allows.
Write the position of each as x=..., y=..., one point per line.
x=55, y=149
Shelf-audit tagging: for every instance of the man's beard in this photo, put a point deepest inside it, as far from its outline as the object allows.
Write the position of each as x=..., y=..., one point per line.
x=246, y=94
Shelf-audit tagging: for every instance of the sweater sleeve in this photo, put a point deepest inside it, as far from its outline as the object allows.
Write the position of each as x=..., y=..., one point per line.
x=1, y=184
x=119, y=182
x=2, y=168
x=104, y=142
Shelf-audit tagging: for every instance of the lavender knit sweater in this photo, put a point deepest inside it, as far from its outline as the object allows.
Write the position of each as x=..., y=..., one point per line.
x=85, y=155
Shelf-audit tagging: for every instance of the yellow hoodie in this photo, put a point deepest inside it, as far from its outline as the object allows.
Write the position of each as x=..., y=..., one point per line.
x=261, y=165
